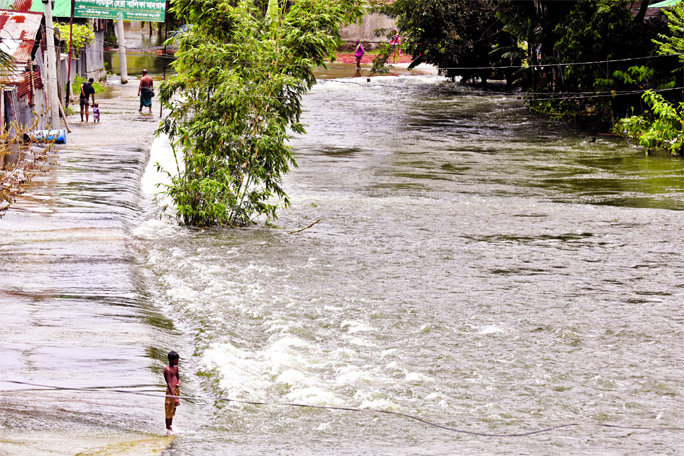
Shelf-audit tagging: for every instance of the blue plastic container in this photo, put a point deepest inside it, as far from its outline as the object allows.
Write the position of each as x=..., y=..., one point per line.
x=59, y=136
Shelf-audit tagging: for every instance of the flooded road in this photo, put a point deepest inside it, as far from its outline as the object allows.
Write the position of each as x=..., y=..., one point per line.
x=474, y=266
x=75, y=312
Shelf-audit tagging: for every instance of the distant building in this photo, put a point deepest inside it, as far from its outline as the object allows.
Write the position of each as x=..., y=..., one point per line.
x=22, y=87
x=21, y=24
x=365, y=31
x=90, y=63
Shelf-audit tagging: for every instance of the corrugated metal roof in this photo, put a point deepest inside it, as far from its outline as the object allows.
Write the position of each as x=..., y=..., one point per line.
x=61, y=8
x=23, y=6
x=17, y=37
x=24, y=86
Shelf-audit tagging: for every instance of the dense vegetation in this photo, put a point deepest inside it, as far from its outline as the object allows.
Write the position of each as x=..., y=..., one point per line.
x=241, y=77
x=83, y=34
x=586, y=60
x=661, y=127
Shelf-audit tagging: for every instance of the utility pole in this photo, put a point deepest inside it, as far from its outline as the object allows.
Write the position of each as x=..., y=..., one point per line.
x=70, y=89
x=51, y=66
x=122, y=50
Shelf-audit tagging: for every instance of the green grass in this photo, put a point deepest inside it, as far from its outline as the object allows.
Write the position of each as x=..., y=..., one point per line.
x=78, y=80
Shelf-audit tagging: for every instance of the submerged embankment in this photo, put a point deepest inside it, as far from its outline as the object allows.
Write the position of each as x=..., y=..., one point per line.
x=75, y=312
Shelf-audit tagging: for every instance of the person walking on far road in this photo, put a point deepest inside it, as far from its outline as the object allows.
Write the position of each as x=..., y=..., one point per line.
x=172, y=379
x=87, y=90
x=358, y=53
x=145, y=91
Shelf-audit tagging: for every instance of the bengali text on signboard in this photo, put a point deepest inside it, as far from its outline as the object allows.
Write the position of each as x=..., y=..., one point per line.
x=129, y=10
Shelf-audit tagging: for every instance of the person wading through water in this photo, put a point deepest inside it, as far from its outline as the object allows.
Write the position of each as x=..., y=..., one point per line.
x=172, y=379
x=87, y=91
x=358, y=53
x=145, y=91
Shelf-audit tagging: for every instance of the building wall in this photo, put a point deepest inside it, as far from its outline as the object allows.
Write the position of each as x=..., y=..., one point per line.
x=365, y=31
x=19, y=111
x=93, y=58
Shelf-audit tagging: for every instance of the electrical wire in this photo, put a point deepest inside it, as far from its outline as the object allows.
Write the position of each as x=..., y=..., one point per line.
x=329, y=407
x=538, y=96
x=474, y=68
x=541, y=96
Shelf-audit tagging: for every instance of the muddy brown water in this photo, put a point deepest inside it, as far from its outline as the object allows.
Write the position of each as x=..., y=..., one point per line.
x=474, y=266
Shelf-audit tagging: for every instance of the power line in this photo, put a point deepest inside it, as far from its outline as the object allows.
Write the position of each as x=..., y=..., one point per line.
x=561, y=64
x=542, y=96
x=328, y=407
x=472, y=68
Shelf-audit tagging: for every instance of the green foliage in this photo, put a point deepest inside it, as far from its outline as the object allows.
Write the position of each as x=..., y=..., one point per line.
x=660, y=129
x=525, y=31
x=579, y=57
x=636, y=76
x=557, y=109
x=78, y=80
x=6, y=62
x=83, y=34
x=448, y=33
x=241, y=77
x=384, y=51
x=674, y=42
x=595, y=31
x=605, y=35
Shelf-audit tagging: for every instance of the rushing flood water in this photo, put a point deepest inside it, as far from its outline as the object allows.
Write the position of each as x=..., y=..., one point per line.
x=474, y=266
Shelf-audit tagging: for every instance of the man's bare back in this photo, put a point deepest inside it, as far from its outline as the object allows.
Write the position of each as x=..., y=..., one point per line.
x=145, y=91
x=146, y=82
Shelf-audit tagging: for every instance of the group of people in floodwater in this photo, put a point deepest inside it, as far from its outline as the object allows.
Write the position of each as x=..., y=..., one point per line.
x=145, y=92
x=394, y=43
x=146, y=88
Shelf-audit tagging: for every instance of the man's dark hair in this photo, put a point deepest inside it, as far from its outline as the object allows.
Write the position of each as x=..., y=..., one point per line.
x=91, y=80
x=173, y=355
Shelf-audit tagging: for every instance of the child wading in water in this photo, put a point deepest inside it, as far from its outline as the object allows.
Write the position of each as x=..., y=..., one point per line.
x=96, y=113
x=172, y=389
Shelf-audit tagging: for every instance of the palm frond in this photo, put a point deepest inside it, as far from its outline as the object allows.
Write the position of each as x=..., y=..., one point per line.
x=6, y=61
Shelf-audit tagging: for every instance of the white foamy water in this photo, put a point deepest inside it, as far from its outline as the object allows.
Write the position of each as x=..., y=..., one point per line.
x=472, y=267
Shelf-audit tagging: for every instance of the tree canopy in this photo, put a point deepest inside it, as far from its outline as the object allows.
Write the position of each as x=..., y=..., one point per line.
x=241, y=77
x=565, y=54
x=454, y=35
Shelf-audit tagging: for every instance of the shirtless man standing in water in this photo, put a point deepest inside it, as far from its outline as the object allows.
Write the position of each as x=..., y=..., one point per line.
x=145, y=91
x=172, y=389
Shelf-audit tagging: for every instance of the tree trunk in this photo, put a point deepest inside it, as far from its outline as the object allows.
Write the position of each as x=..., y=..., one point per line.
x=639, y=18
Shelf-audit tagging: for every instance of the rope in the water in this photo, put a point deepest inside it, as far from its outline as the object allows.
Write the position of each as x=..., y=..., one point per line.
x=329, y=407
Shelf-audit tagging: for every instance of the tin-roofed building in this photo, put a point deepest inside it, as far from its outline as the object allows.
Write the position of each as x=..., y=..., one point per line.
x=23, y=95
x=90, y=61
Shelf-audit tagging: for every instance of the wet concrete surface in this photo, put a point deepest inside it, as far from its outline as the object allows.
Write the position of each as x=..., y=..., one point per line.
x=75, y=312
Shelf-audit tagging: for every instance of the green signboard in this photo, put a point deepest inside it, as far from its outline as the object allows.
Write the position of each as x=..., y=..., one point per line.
x=128, y=10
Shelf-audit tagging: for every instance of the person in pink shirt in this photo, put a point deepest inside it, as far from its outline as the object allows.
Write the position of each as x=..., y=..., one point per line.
x=359, y=53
